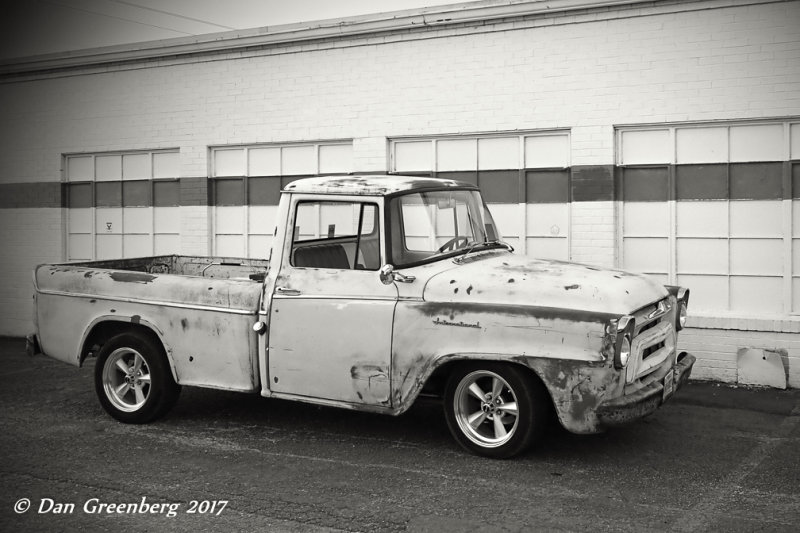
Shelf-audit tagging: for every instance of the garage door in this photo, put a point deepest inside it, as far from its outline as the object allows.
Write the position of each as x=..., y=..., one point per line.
x=710, y=206
x=524, y=179
x=122, y=204
x=246, y=185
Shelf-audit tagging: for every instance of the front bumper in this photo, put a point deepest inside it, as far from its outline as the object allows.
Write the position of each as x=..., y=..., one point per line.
x=643, y=402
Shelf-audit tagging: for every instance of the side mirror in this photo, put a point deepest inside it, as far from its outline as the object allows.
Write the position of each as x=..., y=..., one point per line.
x=386, y=272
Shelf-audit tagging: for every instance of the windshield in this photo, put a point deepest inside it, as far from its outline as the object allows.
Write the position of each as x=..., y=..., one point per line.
x=426, y=226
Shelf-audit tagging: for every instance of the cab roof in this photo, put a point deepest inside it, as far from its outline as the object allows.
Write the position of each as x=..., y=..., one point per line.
x=371, y=185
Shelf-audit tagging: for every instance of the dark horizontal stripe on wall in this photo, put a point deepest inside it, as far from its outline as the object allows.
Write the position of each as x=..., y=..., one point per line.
x=194, y=192
x=701, y=182
x=756, y=181
x=593, y=183
x=497, y=186
x=514, y=186
x=720, y=181
x=38, y=194
x=547, y=186
x=258, y=190
x=645, y=184
x=134, y=193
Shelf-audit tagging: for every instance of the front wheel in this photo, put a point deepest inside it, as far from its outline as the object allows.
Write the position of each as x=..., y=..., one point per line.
x=495, y=410
x=132, y=379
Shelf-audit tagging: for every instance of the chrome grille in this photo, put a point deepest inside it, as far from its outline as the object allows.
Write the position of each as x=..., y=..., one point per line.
x=654, y=339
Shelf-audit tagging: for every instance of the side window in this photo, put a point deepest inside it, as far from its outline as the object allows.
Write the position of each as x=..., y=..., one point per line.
x=340, y=235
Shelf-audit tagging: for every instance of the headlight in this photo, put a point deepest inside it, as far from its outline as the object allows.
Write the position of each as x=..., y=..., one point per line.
x=624, y=332
x=681, y=295
x=625, y=351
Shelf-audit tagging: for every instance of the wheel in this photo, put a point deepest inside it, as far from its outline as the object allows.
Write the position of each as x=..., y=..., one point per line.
x=132, y=379
x=494, y=409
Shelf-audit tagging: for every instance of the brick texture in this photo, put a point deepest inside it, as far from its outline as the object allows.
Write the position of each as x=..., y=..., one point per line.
x=587, y=70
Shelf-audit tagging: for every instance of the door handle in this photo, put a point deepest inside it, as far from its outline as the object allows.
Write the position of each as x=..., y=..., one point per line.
x=287, y=292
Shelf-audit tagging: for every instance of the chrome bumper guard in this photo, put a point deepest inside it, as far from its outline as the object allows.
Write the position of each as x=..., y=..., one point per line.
x=643, y=402
x=32, y=345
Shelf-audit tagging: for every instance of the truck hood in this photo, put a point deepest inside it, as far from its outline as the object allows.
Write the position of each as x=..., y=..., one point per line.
x=508, y=279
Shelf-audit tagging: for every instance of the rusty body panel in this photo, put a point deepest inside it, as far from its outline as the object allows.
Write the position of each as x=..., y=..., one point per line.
x=203, y=322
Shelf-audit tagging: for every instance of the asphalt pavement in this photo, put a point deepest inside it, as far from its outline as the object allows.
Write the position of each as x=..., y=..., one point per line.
x=715, y=458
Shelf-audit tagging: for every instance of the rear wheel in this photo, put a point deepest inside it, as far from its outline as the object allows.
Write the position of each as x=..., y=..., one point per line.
x=495, y=410
x=132, y=379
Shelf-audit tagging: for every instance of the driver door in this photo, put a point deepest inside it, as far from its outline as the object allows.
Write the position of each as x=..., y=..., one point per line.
x=331, y=317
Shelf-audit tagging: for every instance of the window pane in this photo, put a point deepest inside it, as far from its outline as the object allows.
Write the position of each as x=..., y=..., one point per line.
x=80, y=168
x=757, y=143
x=645, y=185
x=756, y=181
x=412, y=156
x=166, y=193
x=165, y=165
x=547, y=186
x=229, y=192
x=498, y=154
x=264, y=161
x=701, y=182
x=135, y=166
x=108, y=194
x=229, y=162
x=263, y=191
x=702, y=145
x=795, y=134
x=298, y=160
x=326, y=236
x=108, y=167
x=544, y=151
x=645, y=147
x=80, y=195
x=136, y=193
x=457, y=154
x=369, y=249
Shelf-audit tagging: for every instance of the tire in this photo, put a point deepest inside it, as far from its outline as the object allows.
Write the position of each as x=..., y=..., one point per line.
x=132, y=379
x=474, y=400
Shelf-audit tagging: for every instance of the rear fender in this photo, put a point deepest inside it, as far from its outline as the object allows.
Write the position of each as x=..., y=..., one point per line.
x=104, y=327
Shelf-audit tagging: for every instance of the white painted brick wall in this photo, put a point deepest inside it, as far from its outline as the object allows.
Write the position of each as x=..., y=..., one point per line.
x=717, y=351
x=29, y=237
x=195, y=230
x=734, y=62
x=593, y=233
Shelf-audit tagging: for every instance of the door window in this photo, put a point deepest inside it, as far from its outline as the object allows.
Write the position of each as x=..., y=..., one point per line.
x=339, y=235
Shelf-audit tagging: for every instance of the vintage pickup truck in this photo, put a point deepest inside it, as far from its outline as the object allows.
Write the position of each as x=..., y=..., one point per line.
x=378, y=288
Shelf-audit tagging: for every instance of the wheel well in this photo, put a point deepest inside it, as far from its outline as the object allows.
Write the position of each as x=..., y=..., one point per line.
x=103, y=331
x=436, y=383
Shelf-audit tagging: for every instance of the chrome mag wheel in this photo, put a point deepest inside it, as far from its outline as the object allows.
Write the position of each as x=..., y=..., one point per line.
x=126, y=379
x=486, y=409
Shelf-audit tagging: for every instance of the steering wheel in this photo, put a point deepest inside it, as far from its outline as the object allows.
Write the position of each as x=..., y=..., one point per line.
x=454, y=244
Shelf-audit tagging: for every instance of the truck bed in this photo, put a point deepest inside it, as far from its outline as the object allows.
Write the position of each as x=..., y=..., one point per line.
x=185, y=265
x=202, y=309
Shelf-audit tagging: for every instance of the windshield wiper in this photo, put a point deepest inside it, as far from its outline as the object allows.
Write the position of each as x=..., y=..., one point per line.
x=482, y=244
